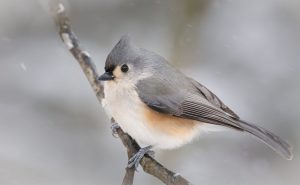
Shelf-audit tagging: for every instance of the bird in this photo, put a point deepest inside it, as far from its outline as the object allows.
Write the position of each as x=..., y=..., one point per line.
x=162, y=108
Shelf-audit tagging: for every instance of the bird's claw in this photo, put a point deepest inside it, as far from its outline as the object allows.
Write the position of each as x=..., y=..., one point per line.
x=135, y=160
x=114, y=128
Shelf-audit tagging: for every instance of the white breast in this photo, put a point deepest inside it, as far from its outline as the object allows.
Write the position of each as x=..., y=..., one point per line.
x=123, y=104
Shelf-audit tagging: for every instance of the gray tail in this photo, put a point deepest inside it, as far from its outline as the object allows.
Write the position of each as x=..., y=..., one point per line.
x=273, y=141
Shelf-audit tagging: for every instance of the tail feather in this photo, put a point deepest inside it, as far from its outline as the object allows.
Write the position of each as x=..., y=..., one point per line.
x=273, y=141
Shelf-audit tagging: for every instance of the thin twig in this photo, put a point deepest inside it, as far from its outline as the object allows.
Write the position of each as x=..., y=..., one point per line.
x=149, y=165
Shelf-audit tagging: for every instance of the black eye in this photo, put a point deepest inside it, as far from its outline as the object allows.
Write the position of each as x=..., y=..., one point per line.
x=124, y=68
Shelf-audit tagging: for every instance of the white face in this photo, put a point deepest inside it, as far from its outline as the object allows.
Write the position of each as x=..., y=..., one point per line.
x=129, y=73
x=123, y=73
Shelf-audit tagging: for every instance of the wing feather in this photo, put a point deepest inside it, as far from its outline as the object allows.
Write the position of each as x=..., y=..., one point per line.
x=213, y=99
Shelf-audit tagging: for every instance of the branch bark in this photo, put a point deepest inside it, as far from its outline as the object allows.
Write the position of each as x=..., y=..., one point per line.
x=149, y=165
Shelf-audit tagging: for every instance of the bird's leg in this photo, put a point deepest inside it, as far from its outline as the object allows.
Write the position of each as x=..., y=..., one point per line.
x=135, y=160
x=114, y=128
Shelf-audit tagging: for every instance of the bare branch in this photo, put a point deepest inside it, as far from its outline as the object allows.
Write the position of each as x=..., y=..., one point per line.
x=150, y=165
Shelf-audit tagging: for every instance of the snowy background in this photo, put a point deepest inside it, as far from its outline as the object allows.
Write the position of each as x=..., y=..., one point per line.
x=54, y=132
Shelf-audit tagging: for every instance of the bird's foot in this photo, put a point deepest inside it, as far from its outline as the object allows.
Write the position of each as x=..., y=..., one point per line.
x=114, y=128
x=135, y=160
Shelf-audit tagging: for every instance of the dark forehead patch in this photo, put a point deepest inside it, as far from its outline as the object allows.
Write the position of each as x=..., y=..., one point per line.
x=109, y=65
x=109, y=68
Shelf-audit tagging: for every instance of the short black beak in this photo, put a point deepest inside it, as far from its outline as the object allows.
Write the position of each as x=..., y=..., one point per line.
x=106, y=76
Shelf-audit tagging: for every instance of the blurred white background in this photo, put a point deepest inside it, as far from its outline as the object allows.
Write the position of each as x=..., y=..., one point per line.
x=54, y=132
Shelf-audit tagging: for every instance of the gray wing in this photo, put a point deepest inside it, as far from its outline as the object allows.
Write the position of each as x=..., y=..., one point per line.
x=188, y=100
x=213, y=99
x=194, y=101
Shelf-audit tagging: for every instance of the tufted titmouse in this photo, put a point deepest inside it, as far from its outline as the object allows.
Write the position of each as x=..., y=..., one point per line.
x=162, y=108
